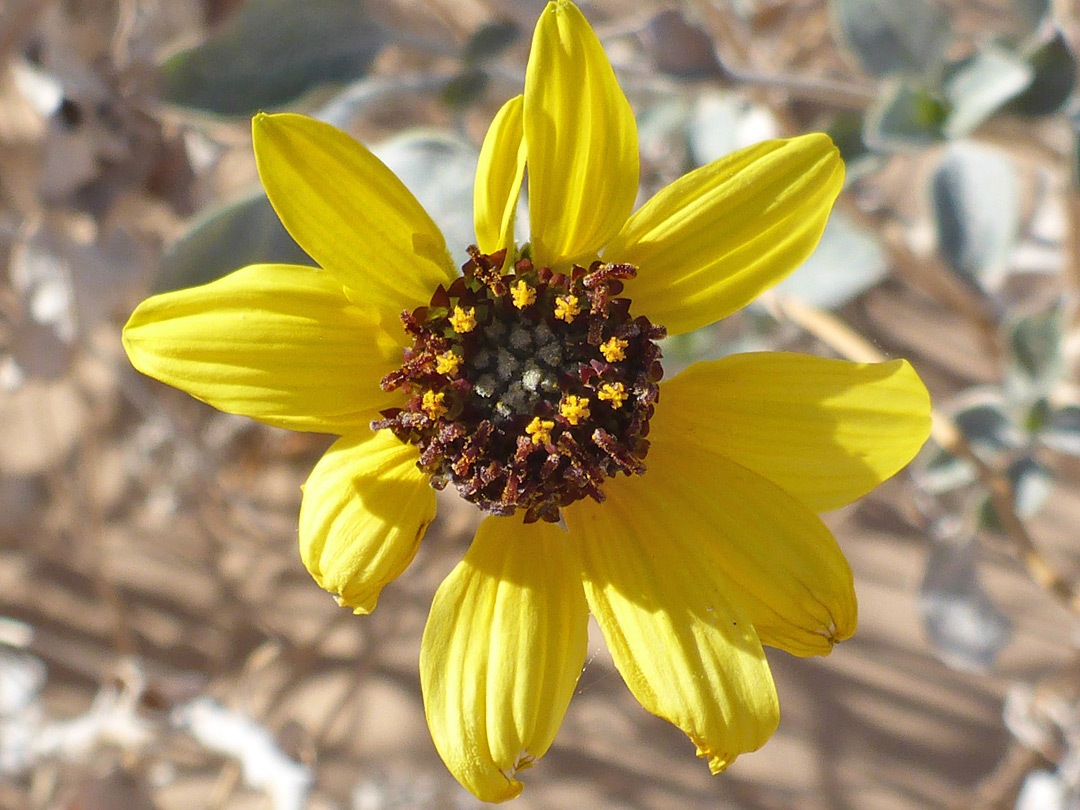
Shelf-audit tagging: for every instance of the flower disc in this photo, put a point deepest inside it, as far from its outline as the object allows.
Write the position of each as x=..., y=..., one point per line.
x=527, y=390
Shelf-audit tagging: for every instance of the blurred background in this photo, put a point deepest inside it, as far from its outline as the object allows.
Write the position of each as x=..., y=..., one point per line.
x=161, y=645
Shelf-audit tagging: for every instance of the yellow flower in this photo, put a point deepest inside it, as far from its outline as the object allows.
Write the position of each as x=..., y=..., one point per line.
x=463, y=320
x=447, y=363
x=567, y=307
x=615, y=393
x=539, y=430
x=523, y=295
x=614, y=350
x=693, y=547
x=574, y=409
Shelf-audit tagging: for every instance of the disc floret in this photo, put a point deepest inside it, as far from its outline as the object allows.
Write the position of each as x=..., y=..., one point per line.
x=527, y=389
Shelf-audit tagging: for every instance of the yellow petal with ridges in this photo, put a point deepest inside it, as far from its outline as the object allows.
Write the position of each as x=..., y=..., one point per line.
x=350, y=213
x=581, y=139
x=279, y=343
x=365, y=509
x=713, y=240
x=826, y=431
x=683, y=644
x=768, y=553
x=502, y=651
x=498, y=179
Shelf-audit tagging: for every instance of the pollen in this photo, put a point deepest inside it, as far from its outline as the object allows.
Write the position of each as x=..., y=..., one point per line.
x=447, y=363
x=540, y=430
x=463, y=320
x=615, y=393
x=434, y=404
x=567, y=307
x=574, y=409
x=522, y=294
x=614, y=349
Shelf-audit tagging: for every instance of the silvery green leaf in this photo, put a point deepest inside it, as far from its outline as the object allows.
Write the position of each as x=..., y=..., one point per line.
x=1031, y=486
x=1054, y=79
x=890, y=37
x=904, y=117
x=439, y=169
x=982, y=86
x=965, y=629
x=21, y=678
x=1032, y=13
x=1035, y=347
x=225, y=239
x=681, y=48
x=1042, y=790
x=490, y=40
x=723, y=122
x=987, y=427
x=847, y=131
x=938, y=472
x=1063, y=431
x=848, y=261
x=976, y=204
x=464, y=89
x=271, y=52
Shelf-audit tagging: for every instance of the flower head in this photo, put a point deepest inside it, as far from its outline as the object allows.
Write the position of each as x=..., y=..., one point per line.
x=531, y=383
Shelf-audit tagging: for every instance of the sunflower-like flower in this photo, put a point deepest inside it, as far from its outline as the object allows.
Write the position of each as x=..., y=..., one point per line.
x=682, y=515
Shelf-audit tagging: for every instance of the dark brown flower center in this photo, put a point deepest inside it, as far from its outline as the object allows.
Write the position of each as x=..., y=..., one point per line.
x=527, y=390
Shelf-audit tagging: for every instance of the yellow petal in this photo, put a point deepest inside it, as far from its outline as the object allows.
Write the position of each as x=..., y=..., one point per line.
x=581, y=138
x=279, y=343
x=502, y=651
x=827, y=431
x=366, y=507
x=350, y=213
x=498, y=179
x=767, y=552
x=683, y=644
x=709, y=243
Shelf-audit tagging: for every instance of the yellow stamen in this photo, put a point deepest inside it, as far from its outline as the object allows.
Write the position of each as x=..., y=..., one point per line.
x=434, y=404
x=614, y=349
x=447, y=363
x=462, y=321
x=540, y=430
x=522, y=294
x=615, y=393
x=574, y=409
x=567, y=307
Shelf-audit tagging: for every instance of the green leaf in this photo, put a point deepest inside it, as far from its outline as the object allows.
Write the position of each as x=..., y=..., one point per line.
x=489, y=41
x=464, y=88
x=982, y=86
x=976, y=204
x=1054, y=80
x=938, y=472
x=846, y=131
x=1063, y=432
x=905, y=117
x=847, y=262
x=1031, y=13
x=722, y=122
x=1031, y=485
x=964, y=627
x=894, y=37
x=438, y=168
x=1035, y=346
x=271, y=52
x=680, y=48
x=987, y=427
x=226, y=239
